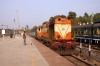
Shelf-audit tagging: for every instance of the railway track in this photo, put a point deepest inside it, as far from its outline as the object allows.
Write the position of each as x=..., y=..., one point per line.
x=78, y=61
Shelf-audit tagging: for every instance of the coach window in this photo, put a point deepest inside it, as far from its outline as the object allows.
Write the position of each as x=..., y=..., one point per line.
x=97, y=31
x=85, y=31
x=93, y=32
x=72, y=32
x=90, y=32
x=79, y=32
x=82, y=32
x=76, y=32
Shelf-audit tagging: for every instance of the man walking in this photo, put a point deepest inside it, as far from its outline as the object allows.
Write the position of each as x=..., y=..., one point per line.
x=24, y=37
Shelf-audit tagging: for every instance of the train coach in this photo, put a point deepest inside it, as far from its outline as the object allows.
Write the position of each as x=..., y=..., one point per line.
x=87, y=32
x=56, y=33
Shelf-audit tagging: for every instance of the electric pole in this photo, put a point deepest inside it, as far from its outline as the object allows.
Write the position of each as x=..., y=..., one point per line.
x=92, y=18
x=18, y=20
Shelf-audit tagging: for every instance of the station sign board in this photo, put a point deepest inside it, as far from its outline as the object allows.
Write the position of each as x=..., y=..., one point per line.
x=3, y=31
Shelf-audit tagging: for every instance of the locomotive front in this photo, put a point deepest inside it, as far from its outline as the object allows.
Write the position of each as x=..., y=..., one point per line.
x=61, y=32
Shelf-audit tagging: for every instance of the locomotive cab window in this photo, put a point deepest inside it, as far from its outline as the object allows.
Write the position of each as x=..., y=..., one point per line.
x=62, y=18
x=59, y=19
x=39, y=29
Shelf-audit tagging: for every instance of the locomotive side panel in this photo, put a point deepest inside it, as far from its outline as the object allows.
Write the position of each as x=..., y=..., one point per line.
x=39, y=32
x=34, y=33
x=45, y=31
x=51, y=31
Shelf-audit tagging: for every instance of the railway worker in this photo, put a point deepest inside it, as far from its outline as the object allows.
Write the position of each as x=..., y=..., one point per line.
x=24, y=37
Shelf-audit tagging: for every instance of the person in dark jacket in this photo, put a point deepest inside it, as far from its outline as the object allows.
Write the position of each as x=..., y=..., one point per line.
x=24, y=37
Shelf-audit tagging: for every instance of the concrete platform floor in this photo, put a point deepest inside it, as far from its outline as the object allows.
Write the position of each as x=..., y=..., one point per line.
x=14, y=53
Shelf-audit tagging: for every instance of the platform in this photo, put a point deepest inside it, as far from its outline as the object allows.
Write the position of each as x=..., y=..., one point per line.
x=14, y=53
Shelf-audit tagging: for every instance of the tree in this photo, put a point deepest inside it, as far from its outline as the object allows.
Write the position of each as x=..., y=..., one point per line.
x=33, y=28
x=57, y=16
x=44, y=22
x=72, y=15
x=86, y=18
x=96, y=17
x=51, y=18
x=27, y=26
x=86, y=15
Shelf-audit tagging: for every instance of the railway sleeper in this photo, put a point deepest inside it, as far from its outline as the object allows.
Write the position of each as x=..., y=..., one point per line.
x=85, y=60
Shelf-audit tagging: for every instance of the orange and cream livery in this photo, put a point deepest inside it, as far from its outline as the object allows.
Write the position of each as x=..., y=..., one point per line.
x=56, y=32
x=62, y=28
x=39, y=32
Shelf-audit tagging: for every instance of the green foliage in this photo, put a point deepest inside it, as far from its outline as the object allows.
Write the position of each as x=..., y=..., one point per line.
x=83, y=19
x=75, y=21
x=78, y=20
x=51, y=18
x=96, y=17
x=44, y=22
x=35, y=27
x=72, y=15
x=57, y=16
x=27, y=26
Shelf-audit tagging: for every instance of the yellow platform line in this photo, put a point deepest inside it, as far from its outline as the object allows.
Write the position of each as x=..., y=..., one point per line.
x=33, y=62
x=32, y=57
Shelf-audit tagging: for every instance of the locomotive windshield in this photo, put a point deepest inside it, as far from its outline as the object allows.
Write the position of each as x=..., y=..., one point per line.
x=59, y=19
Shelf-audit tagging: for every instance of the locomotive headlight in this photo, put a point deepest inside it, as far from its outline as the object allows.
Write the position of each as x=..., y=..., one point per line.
x=69, y=42
x=63, y=19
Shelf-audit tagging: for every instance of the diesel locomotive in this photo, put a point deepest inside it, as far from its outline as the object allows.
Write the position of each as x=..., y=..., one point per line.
x=56, y=33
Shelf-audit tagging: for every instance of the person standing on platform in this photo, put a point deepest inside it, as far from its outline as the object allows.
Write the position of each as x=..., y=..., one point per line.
x=24, y=37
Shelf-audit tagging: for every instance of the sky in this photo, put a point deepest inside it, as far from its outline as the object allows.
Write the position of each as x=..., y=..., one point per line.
x=35, y=12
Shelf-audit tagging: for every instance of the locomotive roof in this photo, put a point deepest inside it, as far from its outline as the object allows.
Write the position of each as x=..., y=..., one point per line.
x=39, y=26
